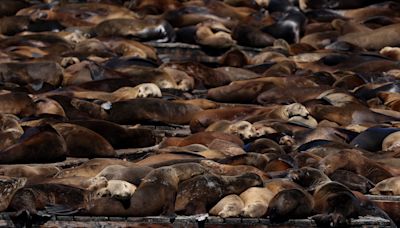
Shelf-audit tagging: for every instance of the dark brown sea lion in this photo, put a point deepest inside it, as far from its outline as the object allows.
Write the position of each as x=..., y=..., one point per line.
x=353, y=181
x=119, y=136
x=193, y=200
x=29, y=72
x=8, y=187
x=83, y=142
x=260, y=161
x=10, y=7
x=151, y=109
x=290, y=204
x=17, y=103
x=353, y=160
x=37, y=145
x=161, y=183
x=32, y=198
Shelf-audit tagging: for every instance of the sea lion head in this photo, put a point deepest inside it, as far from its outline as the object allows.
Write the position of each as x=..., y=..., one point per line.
x=148, y=90
x=97, y=182
x=298, y=114
x=242, y=128
x=388, y=186
x=308, y=177
x=118, y=189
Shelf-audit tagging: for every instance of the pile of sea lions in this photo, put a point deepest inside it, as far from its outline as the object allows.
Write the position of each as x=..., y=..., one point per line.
x=293, y=108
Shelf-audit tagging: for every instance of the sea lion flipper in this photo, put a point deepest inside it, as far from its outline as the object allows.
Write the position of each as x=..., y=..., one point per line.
x=58, y=209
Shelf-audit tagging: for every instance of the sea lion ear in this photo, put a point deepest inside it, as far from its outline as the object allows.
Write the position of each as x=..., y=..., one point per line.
x=106, y=106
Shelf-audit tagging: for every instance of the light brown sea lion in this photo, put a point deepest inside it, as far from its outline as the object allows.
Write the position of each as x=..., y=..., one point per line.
x=243, y=129
x=391, y=142
x=90, y=184
x=256, y=200
x=151, y=109
x=28, y=171
x=83, y=142
x=161, y=183
x=213, y=34
x=117, y=189
x=183, y=80
x=232, y=170
x=204, y=138
x=353, y=160
x=8, y=187
x=48, y=106
x=260, y=161
x=92, y=167
x=10, y=130
x=376, y=39
x=128, y=47
x=388, y=186
x=37, y=145
x=193, y=200
x=229, y=206
x=132, y=175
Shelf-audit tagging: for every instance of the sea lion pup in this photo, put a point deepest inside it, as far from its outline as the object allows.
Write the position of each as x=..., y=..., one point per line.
x=37, y=145
x=351, y=180
x=28, y=72
x=151, y=109
x=143, y=29
x=213, y=34
x=193, y=200
x=83, y=142
x=390, y=186
x=117, y=189
x=161, y=183
x=133, y=175
x=229, y=206
x=232, y=170
x=375, y=39
x=256, y=200
x=120, y=137
x=260, y=161
x=243, y=129
x=28, y=171
x=353, y=160
x=8, y=187
x=204, y=138
x=92, y=167
x=17, y=103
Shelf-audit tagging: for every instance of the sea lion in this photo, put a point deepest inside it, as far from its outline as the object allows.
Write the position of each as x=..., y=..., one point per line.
x=48, y=106
x=353, y=181
x=256, y=201
x=132, y=175
x=92, y=167
x=28, y=171
x=90, y=184
x=120, y=137
x=151, y=109
x=229, y=206
x=161, y=183
x=232, y=170
x=193, y=200
x=388, y=186
x=17, y=103
x=290, y=204
x=214, y=35
x=37, y=145
x=83, y=142
x=259, y=161
x=353, y=160
x=8, y=187
x=391, y=142
x=243, y=129
x=10, y=130
x=204, y=138
x=118, y=189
